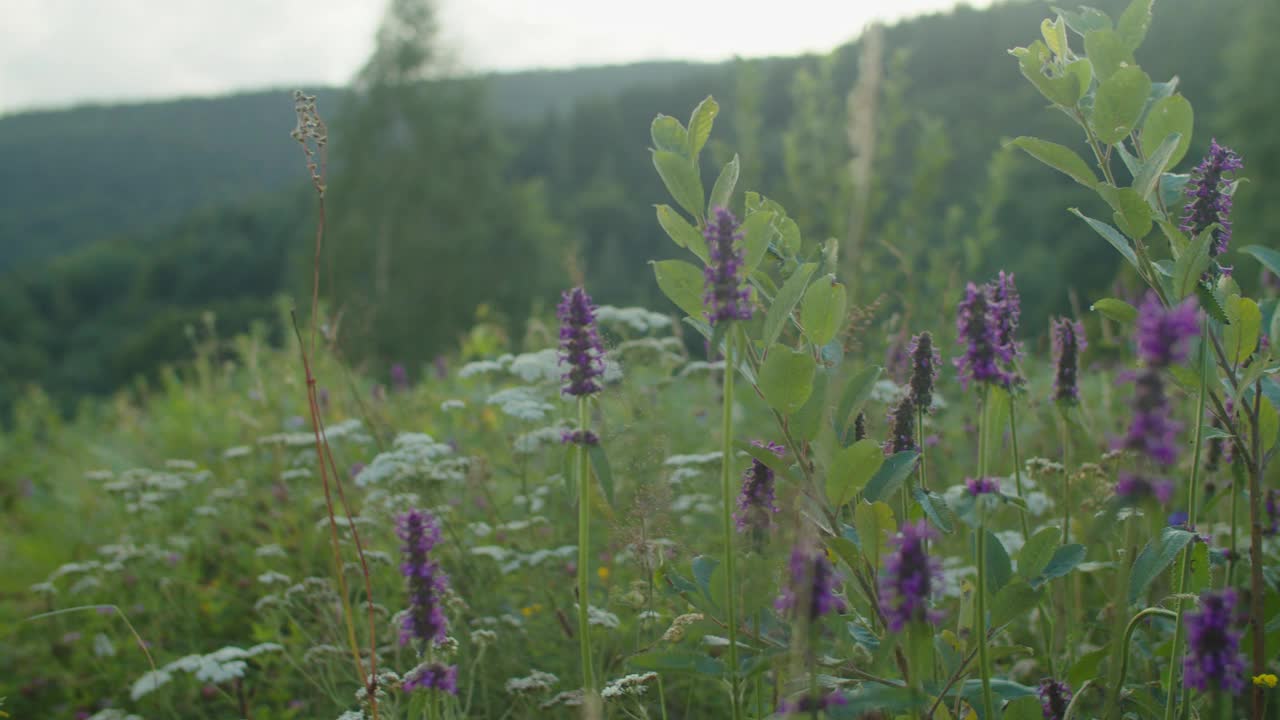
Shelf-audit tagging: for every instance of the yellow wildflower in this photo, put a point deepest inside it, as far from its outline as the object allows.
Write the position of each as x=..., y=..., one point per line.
x=1264, y=680
x=603, y=572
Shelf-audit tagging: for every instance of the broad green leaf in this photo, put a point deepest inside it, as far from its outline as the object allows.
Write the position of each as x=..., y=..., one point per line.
x=999, y=566
x=681, y=232
x=890, y=476
x=855, y=395
x=682, y=283
x=681, y=179
x=1111, y=235
x=668, y=134
x=1065, y=559
x=875, y=525
x=1192, y=264
x=790, y=236
x=1037, y=551
x=851, y=469
x=1118, y=104
x=1240, y=338
x=1131, y=28
x=1023, y=708
x=722, y=191
x=766, y=457
x=1169, y=116
x=935, y=508
x=1059, y=157
x=846, y=549
x=806, y=421
x=1062, y=90
x=1148, y=178
x=757, y=232
x=700, y=123
x=995, y=413
x=1132, y=213
x=1269, y=258
x=786, y=378
x=1054, y=33
x=1268, y=424
x=1212, y=303
x=785, y=301
x=600, y=465
x=1118, y=310
x=1155, y=556
x=704, y=570
x=1198, y=580
x=1086, y=668
x=1012, y=601
x=822, y=314
x=1085, y=20
x=1108, y=53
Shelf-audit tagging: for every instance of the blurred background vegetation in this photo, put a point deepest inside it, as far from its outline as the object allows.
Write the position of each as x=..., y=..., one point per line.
x=121, y=227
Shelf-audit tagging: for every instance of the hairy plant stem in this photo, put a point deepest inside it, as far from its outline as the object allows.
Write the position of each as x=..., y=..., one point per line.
x=980, y=604
x=726, y=489
x=584, y=557
x=1193, y=499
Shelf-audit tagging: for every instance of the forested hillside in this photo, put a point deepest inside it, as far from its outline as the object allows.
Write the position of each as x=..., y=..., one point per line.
x=119, y=226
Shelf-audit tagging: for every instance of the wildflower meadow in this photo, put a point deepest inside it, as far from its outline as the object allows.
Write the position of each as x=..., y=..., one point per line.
x=736, y=504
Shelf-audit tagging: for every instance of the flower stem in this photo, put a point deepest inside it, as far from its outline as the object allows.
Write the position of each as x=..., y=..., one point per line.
x=726, y=488
x=584, y=555
x=980, y=606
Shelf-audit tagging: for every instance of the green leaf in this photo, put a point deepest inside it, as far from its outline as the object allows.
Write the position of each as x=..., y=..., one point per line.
x=896, y=468
x=1154, y=558
x=681, y=178
x=995, y=413
x=677, y=660
x=1062, y=90
x=681, y=232
x=1169, y=116
x=1144, y=184
x=1085, y=20
x=999, y=566
x=1012, y=601
x=1111, y=235
x=786, y=378
x=682, y=283
x=1198, y=581
x=875, y=525
x=1107, y=52
x=600, y=464
x=935, y=508
x=806, y=421
x=1118, y=104
x=704, y=116
x=1065, y=559
x=668, y=134
x=1131, y=28
x=1211, y=302
x=1054, y=33
x=1269, y=258
x=1240, y=338
x=822, y=314
x=1132, y=213
x=704, y=571
x=851, y=469
x=1059, y=157
x=1268, y=424
x=1023, y=708
x=1086, y=668
x=1037, y=551
x=790, y=236
x=722, y=191
x=1118, y=310
x=855, y=395
x=785, y=301
x=757, y=232
x=1191, y=264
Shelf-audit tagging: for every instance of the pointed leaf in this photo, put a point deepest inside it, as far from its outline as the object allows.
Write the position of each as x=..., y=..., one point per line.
x=786, y=379
x=1118, y=310
x=1192, y=264
x=855, y=395
x=1131, y=28
x=1149, y=177
x=1118, y=104
x=1111, y=235
x=1037, y=551
x=823, y=312
x=600, y=465
x=681, y=179
x=875, y=525
x=668, y=134
x=757, y=232
x=1133, y=215
x=722, y=191
x=785, y=301
x=1155, y=556
x=999, y=566
x=1169, y=116
x=889, y=477
x=1065, y=559
x=681, y=232
x=1059, y=157
x=704, y=116
x=1240, y=338
x=851, y=469
x=682, y=283
x=1013, y=600
x=936, y=509
x=1107, y=53
x=1269, y=258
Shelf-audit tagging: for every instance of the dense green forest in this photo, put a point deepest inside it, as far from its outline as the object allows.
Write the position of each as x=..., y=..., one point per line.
x=122, y=227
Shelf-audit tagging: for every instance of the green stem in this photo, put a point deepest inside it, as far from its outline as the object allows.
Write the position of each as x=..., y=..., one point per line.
x=1066, y=485
x=1112, y=709
x=1017, y=463
x=1128, y=635
x=1071, y=706
x=1235, y=521
x=584, y=556
x=980, y=606
x=1192, y=503
x=726, y=489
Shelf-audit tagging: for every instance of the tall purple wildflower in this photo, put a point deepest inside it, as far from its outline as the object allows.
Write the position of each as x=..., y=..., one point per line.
x=1068, y=343
x=425, y=620
x=726, y=298
x=812, y=587
x=982, y=486
x=432, y=676
x=902, y=421
x=1164, y=334
x=580, y=347
x=910, y=577
x=1213, y=645
x=1209, y=191
x=755, y=501
x=1054, y=698
x=399, y=377
x=1006, y=310
x=809, y=704
x=1152, y=432
x=976, y=330
x=924, y=370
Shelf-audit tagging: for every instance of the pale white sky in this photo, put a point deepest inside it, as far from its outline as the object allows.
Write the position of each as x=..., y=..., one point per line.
x=58, y=52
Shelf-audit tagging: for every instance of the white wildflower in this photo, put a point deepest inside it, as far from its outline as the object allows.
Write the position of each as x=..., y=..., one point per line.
x=537, y=681
x=150, y=681
x=540, y=366
x=449, y=405
x=271, y=550
x=272, y=577
x=238, y=451
x=521, y=403
x=603, y=618
x=635, y=684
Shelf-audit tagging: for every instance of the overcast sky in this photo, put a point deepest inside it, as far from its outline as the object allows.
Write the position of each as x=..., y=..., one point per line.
x=59, y=52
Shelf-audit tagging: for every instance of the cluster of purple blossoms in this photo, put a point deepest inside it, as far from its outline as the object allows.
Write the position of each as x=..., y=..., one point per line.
x=399, y=378
x=425, y=620
x=1164, y=335
x=755, y=501
x=1152, y=432
x=1133, y=489
x=910, y=577
x=982, y=486
x=579, y=437
x=1213, y=657
x=727, y=298
x=580, y=347
x=1054, y=698
x=432, y=676
x=924, y=370
x=1006, y=310
x=1068, y=342
x=1209, y=190
x=812, y=590
x=810, y=705
x=981, y=323
x=902, y=420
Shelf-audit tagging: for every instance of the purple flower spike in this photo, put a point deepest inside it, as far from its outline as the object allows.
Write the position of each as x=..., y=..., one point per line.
x=982, y=486
x=579, y=437
x=1153, y=431
x=1054, y=698
x=812, y=586
x=976, y=329
x=910, y=577
x=727, y=298
x=425, y=620
x=810, y=705
x=1213, y=646
x=902, y=418
x=1006, y=310
x=1273, y=513
x=399, y=377
x=1209, y=190
x=1068, y=343
x=924, y=370
x=1133, y=489
x=580, y=347
x=432, y=676
x=1165, y=334
x=755, y=501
